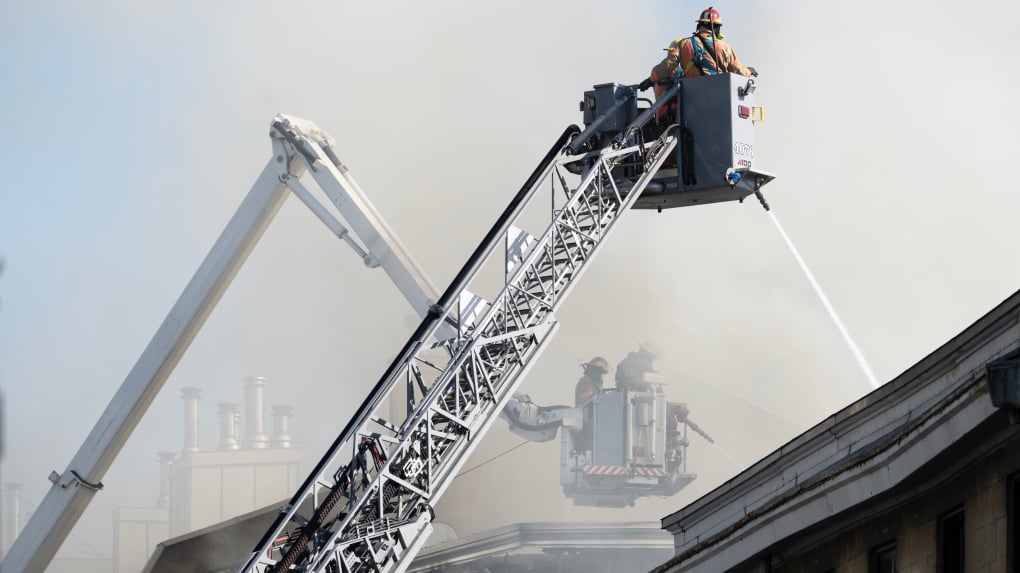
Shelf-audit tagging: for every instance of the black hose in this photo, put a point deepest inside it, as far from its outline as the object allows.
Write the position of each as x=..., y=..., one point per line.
x=649, y=113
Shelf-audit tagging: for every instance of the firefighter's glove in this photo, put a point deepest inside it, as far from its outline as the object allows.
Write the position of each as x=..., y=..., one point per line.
x=753, y=71
x=645, y=84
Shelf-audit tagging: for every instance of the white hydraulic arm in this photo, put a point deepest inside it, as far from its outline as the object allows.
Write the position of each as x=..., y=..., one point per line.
x=381, y=246
x=72, y=490
x=367, y=505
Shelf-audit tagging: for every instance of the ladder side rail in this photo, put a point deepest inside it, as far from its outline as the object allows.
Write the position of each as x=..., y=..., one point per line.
x=259, y=559
x=72, y=491
x=483, y=417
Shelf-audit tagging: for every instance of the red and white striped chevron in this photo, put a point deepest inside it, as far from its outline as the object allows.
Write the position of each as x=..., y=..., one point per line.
x=622, y=471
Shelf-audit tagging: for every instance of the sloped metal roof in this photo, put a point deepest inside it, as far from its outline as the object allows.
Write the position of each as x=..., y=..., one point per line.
x=857, y=454
x=522, y=540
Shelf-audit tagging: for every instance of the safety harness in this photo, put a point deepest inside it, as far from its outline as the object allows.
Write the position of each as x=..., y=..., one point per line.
x=698, y=59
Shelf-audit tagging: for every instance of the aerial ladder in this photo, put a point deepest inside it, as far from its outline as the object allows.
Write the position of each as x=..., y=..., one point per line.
x=368, y=504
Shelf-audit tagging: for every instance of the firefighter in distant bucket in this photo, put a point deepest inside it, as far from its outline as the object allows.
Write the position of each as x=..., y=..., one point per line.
x=630, y=372
x=591, y=382
x=703, y=54
x=588, y=386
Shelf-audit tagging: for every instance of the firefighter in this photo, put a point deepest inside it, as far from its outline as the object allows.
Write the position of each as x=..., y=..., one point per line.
x=630, y=372
x=703, y=54
x=587, y=387
x=591, y=382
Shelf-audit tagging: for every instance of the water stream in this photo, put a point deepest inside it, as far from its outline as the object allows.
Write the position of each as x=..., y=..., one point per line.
x=728, y=455
x=828, y=306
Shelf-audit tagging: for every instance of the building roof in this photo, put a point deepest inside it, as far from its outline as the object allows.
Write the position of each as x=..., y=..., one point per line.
x=542, y=538
x=224, y=546
x=220, y=547
x=859, y=454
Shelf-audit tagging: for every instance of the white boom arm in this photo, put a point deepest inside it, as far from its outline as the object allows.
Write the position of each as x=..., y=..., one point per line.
x=382, y=248
x=72, y=490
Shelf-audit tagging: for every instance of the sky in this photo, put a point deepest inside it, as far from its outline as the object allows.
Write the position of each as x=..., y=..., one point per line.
x=133, y=130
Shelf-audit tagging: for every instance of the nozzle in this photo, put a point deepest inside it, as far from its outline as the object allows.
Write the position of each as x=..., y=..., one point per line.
x=734, y=177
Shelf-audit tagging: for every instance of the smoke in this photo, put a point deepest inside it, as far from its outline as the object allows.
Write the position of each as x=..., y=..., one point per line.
x=134, y=131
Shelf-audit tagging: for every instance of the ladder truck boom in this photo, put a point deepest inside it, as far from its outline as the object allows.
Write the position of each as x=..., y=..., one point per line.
x=367, y=505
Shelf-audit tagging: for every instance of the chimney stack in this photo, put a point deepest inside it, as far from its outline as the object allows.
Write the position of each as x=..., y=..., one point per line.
x=190, y=396
x=281, y=426
x=228, y=426
x=254, y=422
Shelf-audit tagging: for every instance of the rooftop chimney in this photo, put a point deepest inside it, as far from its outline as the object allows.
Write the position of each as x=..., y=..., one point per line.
x=228, y=426
x=254, y=424
x=190, y=396
x=281, y=426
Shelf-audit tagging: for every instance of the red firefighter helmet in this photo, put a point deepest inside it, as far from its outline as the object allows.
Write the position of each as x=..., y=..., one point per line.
x=710, y=16
x=600, y=363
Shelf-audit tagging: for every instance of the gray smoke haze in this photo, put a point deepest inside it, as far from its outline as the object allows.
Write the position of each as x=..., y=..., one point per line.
x=133, y=131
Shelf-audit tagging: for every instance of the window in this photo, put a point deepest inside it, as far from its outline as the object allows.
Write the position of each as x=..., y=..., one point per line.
x=950, y=542
x=883, y=558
